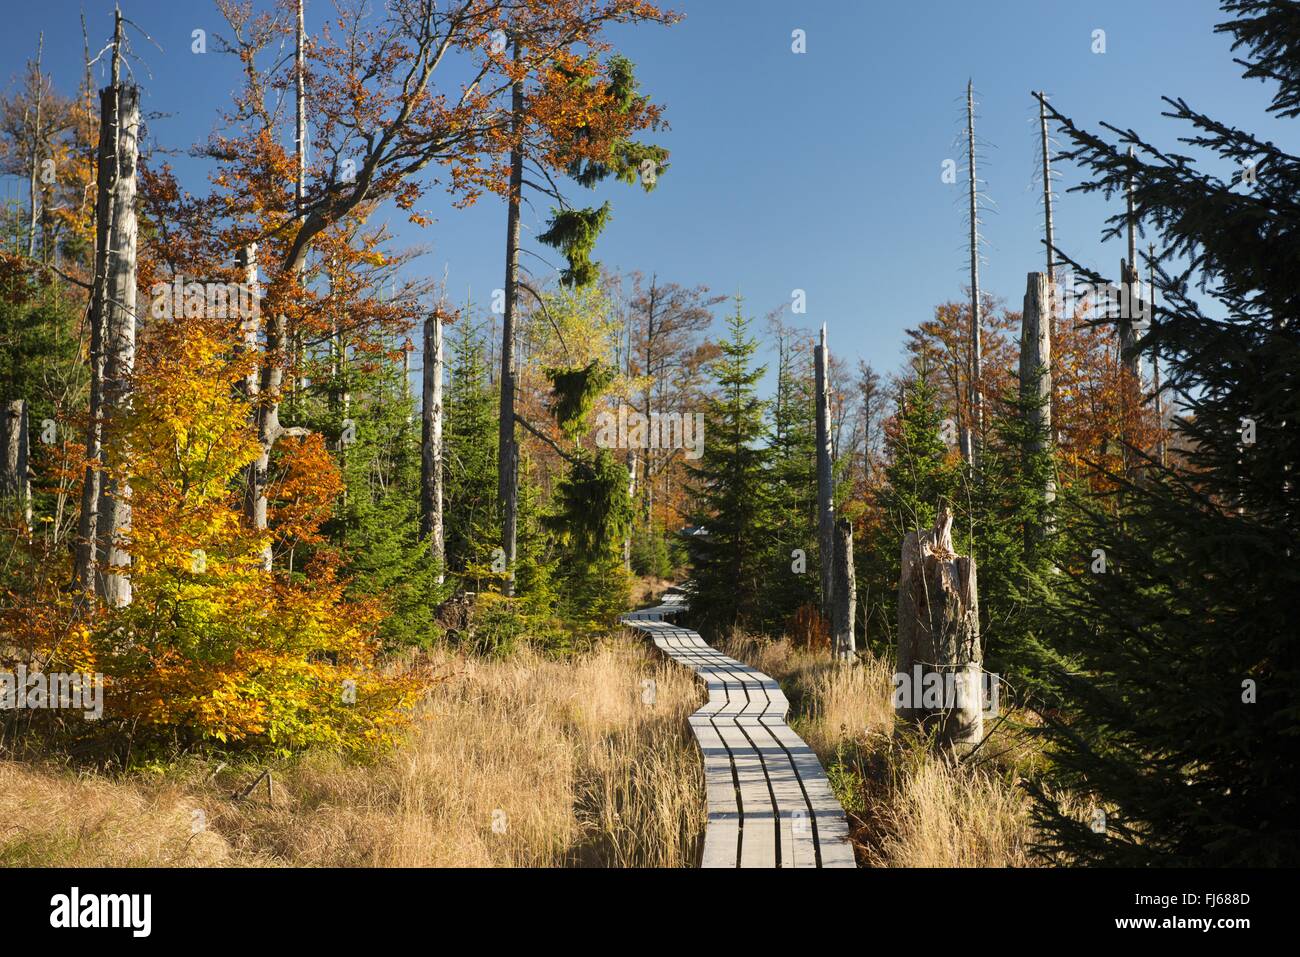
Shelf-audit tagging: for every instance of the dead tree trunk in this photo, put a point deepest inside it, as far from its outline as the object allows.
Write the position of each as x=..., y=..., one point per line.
x=35, y=154
x=87, y=563
x=845, y=594
x=15, y=482
x=1155, y=361
x=507, y=447
x=632, y=473
x=1036, y=383
x=431, y=443
x=825, y=480
x=975, y=435
x=119, y=345
x=940, y=659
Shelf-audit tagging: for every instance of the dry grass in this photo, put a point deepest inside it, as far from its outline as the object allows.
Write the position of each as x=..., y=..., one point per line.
x=909, y=808
x=526, y=761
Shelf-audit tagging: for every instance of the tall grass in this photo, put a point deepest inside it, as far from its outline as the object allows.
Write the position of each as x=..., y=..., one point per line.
x=522, y=761
x=908, y=806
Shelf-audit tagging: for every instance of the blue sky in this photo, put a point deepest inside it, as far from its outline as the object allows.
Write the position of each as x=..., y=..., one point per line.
x=817, y=171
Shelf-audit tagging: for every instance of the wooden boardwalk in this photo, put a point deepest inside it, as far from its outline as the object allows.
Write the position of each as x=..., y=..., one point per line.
x=769, y=802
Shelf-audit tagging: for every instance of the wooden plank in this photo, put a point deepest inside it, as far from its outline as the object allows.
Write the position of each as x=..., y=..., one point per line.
x=768, y=797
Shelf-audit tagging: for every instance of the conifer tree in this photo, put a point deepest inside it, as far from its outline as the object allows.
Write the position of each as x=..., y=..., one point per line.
x=1179, y=709
x=730, y=487
x=470, y=455
x=793, y=584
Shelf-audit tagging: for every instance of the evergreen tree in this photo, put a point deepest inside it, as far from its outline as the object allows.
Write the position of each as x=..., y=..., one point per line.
x=1179, y=710
x=470, y=456
x=794, y=491
x=378, y=521
x=731, y=493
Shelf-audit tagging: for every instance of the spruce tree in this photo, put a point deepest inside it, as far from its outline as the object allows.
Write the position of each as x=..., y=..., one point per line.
x=794, y=492
x=730, y=488
x=470, y=456
x=377, y=521
x=1178, y=714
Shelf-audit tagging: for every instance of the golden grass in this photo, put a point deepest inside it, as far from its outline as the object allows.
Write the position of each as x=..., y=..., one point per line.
x=526, y=761
x=908, y=807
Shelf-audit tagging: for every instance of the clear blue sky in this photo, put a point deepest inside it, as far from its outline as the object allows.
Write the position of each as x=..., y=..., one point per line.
x=818, y=171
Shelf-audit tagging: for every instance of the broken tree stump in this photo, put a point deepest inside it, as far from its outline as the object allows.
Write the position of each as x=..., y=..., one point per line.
x=938, y=680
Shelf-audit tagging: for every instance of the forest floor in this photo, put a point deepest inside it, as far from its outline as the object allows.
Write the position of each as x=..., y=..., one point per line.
x=906, y=807
x=522, y=761
x=534, y=760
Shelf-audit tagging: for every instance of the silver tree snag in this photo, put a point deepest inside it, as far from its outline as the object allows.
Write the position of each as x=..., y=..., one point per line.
x=112, y=331
x=825, y=478
x=844, y=595
x=1036, y=377
x=939, y=638
x=972, y=440
x=431, y=475
x=122, y=103
x=507, y=444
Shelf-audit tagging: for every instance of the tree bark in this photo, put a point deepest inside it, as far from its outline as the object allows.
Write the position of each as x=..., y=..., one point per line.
x=269, y=429
x=507, y=447
x=939, y=638
x=246, y=261
x=825, y=480
x=1036, y=382
x=844, y=645
x=114, y=522
x=431, y=444
x=87, y=562
x=15, y=481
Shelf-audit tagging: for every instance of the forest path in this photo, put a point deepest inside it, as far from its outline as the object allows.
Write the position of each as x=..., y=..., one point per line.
x=770, y=803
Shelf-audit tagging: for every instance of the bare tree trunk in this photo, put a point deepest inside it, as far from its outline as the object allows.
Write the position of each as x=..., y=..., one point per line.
x=1036, y=380
x=114, y=522
x=939, y=639
x=35, y=155
x=1047, y=187
x=825, y=480
x=15, y=481
x=1129, y=276
x=976, y=360
x=86, y=568
x=431, y=443
x=507, y=447
x=632, y=467
x=300, y=125
x=1155, y=362
x=843, y=644
x=246, y=260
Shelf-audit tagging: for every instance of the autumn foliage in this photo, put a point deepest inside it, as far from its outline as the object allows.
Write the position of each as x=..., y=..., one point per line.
x=213, y=649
